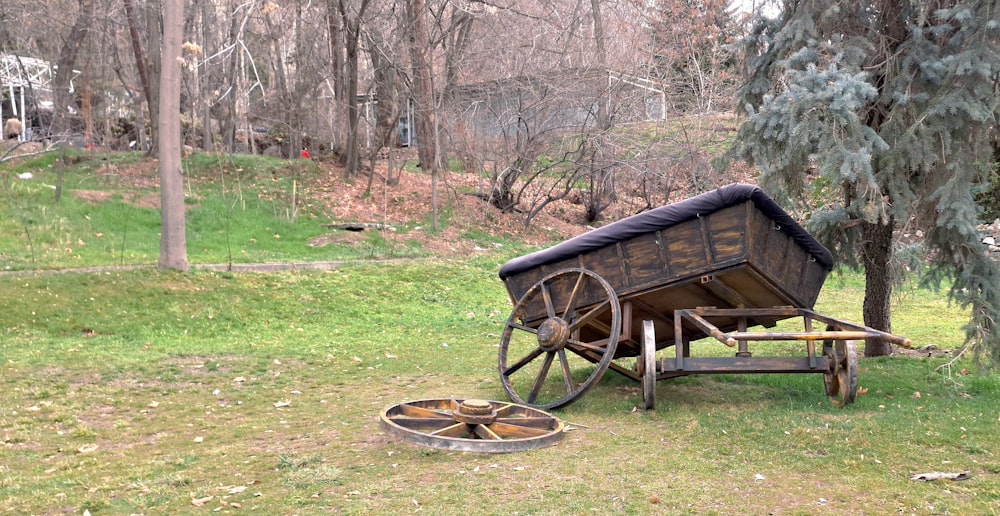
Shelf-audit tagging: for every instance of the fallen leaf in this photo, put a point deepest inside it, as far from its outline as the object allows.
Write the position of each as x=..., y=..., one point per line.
x=236, y=489
x=862, y=391
x=87, y=448
x=282, y=404
x=198, y=502
x=936, y=475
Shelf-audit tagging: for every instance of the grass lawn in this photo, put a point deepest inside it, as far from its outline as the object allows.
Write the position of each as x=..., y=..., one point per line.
x=146, y=392
x=157, y=393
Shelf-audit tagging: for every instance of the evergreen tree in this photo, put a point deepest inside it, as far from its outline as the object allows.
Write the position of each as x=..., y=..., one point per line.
x=887, y=106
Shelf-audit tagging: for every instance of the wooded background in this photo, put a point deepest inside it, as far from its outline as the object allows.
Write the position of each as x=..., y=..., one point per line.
x=492, y=85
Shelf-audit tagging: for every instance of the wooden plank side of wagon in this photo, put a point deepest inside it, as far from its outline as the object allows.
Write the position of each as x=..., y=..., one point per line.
x=792, y=271
x=733, y=257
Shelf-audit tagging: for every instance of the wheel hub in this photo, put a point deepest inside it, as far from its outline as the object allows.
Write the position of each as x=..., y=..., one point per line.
x=475, y=412
x=553, y=334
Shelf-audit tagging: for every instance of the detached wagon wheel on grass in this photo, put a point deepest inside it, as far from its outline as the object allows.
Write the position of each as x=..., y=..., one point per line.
x=472, y=425
x=570, y=318
x=841, y=377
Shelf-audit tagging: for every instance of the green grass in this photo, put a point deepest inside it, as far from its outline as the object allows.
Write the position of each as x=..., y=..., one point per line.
x=240, y=210
x=148, y=392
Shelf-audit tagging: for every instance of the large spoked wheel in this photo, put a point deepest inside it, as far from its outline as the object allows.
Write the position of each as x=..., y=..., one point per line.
x=841, y=377
x=569, y=319
x=647, y=366
x=472, y=425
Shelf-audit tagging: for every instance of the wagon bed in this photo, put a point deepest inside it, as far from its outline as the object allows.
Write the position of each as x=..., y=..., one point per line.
x=713, y=265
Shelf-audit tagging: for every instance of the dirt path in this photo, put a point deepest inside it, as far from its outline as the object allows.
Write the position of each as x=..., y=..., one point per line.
x=223, y=267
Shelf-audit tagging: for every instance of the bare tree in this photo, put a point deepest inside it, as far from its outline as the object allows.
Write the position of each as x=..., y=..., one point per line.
x=146, y=63
x=423, y=96
x=173, y=245
x=350, y=25
x=72, y=43
x=688, y=49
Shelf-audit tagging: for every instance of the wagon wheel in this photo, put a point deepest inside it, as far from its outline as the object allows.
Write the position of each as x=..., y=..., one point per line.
x=527, y=353
x=472, y=425
x=647, y=365
x=841, y=377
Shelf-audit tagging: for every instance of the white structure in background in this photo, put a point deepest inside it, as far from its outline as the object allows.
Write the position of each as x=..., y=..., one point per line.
x=19, y=75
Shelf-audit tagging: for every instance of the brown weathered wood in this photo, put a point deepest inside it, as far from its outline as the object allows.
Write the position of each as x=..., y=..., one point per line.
x=748, y=365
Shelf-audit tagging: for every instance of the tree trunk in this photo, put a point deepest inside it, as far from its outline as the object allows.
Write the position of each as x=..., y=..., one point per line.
x=232, y=87
x=424, y=98
x=877, y=251
x=62, y=96
x=207, y=78
x=338, y=73
x=173, y=245
x=145, y=69
x=352, y=33
x=423, y=82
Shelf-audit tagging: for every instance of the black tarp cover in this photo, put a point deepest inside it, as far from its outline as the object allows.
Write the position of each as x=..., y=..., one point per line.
x=669, y=215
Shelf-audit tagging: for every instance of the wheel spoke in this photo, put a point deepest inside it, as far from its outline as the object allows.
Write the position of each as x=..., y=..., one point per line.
x=485, y=432
x=423, y=423
x=523, y=362
x=567, y=374
x=515, y=431
x=540, y=379
x=550, y=310
x=534, y=422
x=571, y=302
x=522, y=327
x=504, y=409
x=459, y=429
x=413, y=411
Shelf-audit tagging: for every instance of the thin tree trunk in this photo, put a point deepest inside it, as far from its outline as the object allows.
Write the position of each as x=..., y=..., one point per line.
x=338, y=73
x=72, y=43
x=424, y=96
x=877, y=258
x=173, y=244
x=145, y=69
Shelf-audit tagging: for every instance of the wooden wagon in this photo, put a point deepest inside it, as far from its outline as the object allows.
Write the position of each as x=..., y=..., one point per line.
x=712, y=266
